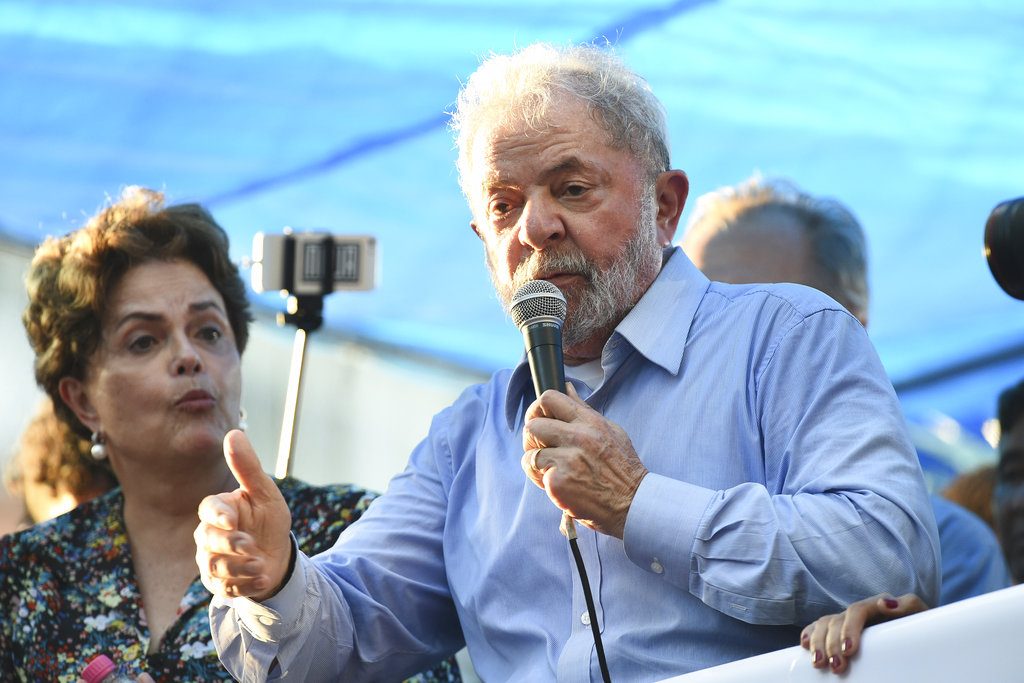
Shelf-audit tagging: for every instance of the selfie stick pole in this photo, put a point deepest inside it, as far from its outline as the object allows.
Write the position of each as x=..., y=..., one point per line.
x=306, y=313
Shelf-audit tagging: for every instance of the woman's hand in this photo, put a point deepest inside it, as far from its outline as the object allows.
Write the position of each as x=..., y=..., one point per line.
x=835, y=638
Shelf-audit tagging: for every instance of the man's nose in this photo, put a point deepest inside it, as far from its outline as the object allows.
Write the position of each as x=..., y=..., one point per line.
x=541, y=224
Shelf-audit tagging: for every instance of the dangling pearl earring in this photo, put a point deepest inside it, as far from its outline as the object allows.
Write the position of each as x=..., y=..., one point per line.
x=98, y=450
x=243, y=424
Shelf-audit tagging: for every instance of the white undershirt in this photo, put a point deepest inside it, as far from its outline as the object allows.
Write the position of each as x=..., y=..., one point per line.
x=590, y=373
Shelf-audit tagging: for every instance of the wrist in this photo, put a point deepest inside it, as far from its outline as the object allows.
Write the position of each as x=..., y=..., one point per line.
x=292, y=555
x=623, y=513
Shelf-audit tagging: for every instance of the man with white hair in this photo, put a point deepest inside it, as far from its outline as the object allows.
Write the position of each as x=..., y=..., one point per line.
x=736, y=456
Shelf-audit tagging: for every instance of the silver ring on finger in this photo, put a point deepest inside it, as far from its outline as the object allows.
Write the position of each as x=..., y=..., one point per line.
x=533, y=459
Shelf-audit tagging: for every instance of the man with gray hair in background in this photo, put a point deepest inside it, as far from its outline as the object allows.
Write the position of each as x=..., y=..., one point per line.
x=735, y=456
x=769, y=230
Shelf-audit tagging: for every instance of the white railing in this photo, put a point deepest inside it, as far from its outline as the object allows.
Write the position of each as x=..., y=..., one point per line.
x=980, y=640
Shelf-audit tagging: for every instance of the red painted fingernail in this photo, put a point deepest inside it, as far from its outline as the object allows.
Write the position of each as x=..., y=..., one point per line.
x=819, y=657
x=892, y=604
x=804, y=638
x=847, y=645
x=834, y=661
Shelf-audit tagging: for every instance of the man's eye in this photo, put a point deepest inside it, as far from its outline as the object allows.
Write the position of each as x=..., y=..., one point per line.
x=575, y=190
x=500, y=208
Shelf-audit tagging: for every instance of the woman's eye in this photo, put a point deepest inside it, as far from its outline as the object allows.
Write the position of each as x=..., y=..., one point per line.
x=142, y=343
x=211, y=334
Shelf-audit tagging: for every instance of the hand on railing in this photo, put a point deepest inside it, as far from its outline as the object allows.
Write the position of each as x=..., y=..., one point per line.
x=835, y=638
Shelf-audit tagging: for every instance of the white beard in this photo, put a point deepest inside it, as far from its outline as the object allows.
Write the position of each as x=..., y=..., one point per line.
x=608, y=295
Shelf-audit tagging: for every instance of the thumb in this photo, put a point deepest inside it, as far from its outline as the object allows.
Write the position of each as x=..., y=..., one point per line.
x=246, y=467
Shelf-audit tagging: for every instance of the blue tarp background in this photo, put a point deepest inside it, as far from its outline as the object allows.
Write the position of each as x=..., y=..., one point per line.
x=330, y=115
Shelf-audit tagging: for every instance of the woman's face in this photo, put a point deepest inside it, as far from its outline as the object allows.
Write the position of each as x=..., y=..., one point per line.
x=166, y=377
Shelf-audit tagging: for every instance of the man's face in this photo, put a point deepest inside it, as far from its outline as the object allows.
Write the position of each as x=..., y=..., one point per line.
x=558, y=203
x=1009, y=499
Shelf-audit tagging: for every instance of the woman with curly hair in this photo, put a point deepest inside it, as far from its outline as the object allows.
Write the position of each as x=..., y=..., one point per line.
x=138, y=321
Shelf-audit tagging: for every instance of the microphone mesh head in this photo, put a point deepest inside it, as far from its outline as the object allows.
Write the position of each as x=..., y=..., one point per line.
x=537, y=298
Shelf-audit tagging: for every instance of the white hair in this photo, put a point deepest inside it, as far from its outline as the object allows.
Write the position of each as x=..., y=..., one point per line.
x=520, y=87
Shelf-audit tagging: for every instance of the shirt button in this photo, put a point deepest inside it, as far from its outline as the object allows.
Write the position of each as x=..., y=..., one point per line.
x=585, y=618
x=656, y=567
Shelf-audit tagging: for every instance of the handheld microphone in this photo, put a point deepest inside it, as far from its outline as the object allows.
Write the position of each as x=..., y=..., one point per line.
x=538, y=309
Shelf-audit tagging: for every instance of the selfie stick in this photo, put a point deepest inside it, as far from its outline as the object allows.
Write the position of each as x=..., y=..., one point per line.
x=306, y=313
x=307, y=266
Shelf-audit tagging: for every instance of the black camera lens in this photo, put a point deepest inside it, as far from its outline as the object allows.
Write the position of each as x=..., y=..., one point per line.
x=1004, y=246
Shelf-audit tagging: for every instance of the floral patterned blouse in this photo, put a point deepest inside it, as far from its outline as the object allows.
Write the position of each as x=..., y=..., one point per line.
x=68, y=593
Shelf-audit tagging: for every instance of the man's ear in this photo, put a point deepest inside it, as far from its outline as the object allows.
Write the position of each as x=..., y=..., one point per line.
x=72, y=392
x=671, y=189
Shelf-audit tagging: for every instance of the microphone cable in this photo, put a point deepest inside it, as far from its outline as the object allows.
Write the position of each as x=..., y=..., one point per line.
x=569, y=530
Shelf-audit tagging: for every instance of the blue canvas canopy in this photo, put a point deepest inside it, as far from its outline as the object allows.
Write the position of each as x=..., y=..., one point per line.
x=331, y=115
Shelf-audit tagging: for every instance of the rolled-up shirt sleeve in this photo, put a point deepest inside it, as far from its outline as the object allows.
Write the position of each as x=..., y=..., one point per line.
x=843, y=513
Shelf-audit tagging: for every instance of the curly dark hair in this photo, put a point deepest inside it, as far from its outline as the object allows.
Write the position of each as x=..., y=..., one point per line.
x=71, y=277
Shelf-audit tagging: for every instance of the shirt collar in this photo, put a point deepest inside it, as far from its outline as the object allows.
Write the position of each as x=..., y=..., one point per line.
x=657, y=327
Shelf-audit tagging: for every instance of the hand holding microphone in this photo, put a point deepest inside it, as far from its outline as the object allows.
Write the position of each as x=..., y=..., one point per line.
x=584, y=462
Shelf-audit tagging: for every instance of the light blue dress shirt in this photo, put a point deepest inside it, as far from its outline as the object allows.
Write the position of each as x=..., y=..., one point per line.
x=972, y=559
x=782, y=487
